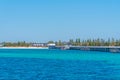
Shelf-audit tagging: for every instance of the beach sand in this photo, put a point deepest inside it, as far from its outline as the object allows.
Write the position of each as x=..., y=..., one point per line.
x=23, y=47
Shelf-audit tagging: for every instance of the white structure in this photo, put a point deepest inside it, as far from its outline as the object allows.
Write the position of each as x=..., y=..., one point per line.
x=51, y=44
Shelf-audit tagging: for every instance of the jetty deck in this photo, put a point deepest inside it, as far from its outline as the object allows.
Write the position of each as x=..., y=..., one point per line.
x=97, y=48
x=115, y=49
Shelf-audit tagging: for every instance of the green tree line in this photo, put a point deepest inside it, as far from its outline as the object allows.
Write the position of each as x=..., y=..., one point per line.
x=16, y=44
x=89, y=42
x=95, y=42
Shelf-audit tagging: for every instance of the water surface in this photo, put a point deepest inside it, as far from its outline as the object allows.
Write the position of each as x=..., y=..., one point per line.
x=18, y=64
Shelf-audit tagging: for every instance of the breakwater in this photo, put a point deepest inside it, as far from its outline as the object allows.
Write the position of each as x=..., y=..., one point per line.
x=115, y=49
x=96, y=48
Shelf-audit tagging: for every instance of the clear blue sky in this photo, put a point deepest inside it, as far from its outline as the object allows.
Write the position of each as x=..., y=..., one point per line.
x=44, y=20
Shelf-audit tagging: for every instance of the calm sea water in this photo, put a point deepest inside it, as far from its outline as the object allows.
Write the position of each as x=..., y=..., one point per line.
x=18, y=64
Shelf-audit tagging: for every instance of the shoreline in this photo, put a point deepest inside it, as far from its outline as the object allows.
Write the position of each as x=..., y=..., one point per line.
x=24, y=48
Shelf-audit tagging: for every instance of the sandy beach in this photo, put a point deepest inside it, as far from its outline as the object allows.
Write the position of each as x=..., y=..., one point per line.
x=23, y=47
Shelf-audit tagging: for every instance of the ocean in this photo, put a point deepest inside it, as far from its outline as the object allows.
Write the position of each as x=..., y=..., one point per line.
x=37, y=64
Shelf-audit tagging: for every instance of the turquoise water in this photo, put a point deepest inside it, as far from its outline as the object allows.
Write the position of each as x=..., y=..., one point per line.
x=31, y=64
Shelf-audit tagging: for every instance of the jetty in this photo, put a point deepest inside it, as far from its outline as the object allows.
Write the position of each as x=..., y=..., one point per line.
x=113, y=49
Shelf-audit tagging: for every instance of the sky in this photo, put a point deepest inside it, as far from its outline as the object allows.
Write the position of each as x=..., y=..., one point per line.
x=44, y=20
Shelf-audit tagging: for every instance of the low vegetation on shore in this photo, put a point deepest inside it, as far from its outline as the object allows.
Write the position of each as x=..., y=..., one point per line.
x=89, y=42
x=76, y=42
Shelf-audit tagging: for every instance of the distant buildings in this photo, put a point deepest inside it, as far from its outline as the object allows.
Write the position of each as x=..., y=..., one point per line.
x=1, y=44
x=39, y=44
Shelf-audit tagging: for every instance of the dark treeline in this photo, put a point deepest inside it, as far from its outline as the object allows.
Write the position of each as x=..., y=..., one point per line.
x=90, y=42
x=16, y=44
